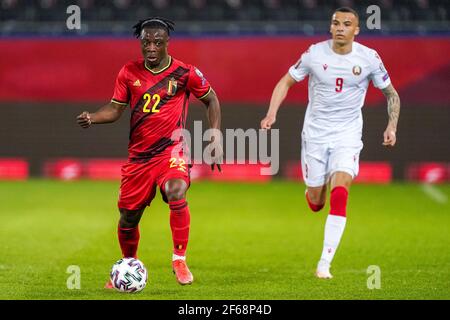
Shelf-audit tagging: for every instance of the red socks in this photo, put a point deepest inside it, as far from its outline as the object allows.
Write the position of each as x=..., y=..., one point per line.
x=128, y=240
x=179, y=223
x=312, y=206
x=338, y=201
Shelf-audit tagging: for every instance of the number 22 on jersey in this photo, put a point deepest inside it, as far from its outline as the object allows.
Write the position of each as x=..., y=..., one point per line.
x=179, y=163
x=155, y=99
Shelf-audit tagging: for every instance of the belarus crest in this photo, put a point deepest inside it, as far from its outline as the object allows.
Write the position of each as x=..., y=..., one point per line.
x=357, y=70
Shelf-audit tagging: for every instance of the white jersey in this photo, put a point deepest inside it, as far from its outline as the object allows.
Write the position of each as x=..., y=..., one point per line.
x=337, y=88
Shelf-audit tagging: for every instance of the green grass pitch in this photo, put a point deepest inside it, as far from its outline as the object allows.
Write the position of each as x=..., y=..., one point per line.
x=248, y=241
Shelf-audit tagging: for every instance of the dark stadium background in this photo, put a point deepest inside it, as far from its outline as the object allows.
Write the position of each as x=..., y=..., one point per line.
x=49, y=74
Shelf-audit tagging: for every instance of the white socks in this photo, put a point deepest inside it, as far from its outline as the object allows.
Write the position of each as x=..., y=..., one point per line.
x=334, y=228
x=175, y=257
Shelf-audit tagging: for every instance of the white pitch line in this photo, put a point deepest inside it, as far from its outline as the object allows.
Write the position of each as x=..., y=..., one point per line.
x=434, y=193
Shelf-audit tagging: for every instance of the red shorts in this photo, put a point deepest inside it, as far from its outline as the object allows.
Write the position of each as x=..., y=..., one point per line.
x=139, y=180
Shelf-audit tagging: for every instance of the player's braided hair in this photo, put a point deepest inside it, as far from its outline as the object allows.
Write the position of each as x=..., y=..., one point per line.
x=157, y=22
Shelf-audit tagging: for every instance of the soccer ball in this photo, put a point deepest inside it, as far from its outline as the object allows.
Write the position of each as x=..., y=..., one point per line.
x=129, y=275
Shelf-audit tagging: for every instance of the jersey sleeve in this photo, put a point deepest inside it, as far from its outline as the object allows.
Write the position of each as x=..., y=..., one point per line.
x=198, y=84
x=302, y=67
x=121, y=92
x=379, y=74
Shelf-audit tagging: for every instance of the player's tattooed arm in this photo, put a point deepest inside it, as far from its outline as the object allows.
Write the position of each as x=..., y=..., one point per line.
x=106, y=114
x=393, y=101
x=393, y=108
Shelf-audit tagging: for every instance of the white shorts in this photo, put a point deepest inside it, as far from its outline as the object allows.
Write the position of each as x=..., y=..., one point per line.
x=321, y=160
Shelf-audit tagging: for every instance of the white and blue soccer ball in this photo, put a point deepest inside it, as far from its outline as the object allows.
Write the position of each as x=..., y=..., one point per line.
x=129, y=275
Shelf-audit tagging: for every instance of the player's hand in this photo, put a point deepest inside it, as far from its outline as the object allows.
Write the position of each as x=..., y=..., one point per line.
x=389, y=137
x=84, y=120
x=216, y=154
x=267, y=122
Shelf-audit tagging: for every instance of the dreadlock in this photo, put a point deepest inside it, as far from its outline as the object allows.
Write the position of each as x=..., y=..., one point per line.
x=156, y=22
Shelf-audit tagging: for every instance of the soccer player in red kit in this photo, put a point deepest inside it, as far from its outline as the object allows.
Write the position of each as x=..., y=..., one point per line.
x=157, y=89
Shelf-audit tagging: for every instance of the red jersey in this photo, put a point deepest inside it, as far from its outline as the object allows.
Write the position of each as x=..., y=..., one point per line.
x=159, y=103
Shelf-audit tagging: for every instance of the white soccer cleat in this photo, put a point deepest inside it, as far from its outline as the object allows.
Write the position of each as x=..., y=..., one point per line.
x=323, y=270
x=324, y=274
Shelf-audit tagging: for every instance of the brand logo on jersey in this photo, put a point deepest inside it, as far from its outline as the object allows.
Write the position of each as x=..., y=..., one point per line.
x=325, y=67
x=172, y=87
x=137, y=83
x=357, y=70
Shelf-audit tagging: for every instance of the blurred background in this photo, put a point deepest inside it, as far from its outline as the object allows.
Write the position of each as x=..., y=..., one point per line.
x=50, y=73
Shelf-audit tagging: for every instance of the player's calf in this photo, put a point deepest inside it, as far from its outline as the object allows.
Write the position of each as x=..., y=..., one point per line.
x=315, y=197
x=338, y=201
x=334, y=228
x=128, y=232
x=179, y=224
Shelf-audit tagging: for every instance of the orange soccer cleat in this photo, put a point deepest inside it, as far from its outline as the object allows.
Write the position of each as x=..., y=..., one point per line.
x=181, y=270
x=109, y=285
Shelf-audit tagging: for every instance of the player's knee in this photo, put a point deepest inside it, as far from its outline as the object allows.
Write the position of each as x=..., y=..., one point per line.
x=129, y=218
x=175, y=190
x=175, y=195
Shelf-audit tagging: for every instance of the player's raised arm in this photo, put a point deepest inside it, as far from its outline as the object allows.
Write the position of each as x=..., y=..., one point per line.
x=278, y=96
x=106, y=114
x=393, y=107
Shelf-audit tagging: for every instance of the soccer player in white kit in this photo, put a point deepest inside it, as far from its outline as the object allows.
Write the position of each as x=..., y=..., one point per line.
x=339, y=72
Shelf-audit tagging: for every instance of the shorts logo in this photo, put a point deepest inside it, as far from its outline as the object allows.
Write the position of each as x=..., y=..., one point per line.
x=325, y=67
x=357, y=70
x=172, y=87
x=137, y=83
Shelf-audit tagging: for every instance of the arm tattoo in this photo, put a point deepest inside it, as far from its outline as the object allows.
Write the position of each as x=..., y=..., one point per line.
x=393, y=101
